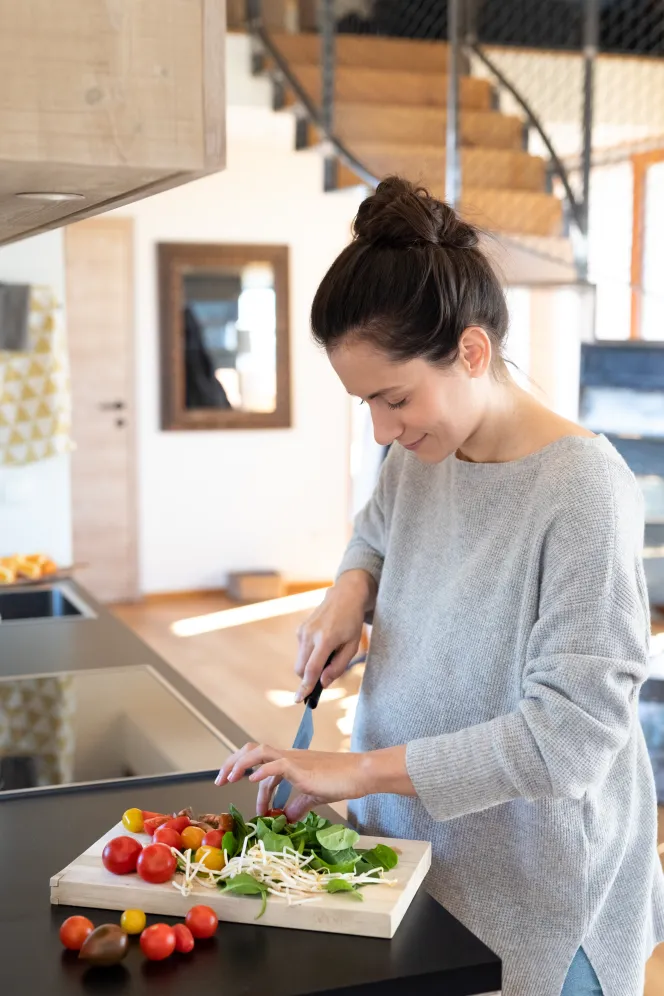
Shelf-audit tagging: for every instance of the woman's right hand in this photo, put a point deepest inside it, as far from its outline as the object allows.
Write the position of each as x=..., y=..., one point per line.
x=336, y=625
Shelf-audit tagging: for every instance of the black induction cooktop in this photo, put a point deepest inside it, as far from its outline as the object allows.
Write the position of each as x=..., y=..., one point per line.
x=81, y=727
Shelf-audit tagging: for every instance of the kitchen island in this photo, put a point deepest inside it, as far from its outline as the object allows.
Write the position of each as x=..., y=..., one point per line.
x=41, y=830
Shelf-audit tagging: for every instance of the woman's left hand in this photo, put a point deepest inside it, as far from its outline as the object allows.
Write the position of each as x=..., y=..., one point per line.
x=316, y=776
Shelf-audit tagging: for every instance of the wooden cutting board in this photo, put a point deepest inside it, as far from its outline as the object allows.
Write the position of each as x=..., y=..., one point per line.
x=85, y=882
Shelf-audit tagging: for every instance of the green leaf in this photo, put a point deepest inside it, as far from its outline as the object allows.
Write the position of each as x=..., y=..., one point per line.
x=380, y=856
x=245, y=884
x=347, y=856
x=279, y=824
x=340, y=869
x=229, y=844
x=315, y=821
x=337, y=838
x=276, y=841
x=240, y=825
x=263, y=826
x=341, y=885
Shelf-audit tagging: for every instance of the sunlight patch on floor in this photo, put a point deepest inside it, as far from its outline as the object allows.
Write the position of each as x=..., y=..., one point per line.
x=243, y=614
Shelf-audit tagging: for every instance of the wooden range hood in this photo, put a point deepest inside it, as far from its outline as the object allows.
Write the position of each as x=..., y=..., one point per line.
x=106, y=101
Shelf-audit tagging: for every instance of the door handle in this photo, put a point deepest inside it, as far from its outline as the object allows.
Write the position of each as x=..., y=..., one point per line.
x=112, y=406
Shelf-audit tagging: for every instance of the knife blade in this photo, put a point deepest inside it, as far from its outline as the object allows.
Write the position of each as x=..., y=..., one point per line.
x=303, y=737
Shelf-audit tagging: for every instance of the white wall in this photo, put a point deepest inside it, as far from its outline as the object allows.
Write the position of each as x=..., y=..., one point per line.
x=215, y=501
x=35, y=501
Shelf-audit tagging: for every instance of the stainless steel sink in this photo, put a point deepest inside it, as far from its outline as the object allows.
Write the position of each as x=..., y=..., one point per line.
x=42, y=602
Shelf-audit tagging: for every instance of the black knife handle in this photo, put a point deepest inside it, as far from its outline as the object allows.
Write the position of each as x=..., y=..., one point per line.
x=313, y=697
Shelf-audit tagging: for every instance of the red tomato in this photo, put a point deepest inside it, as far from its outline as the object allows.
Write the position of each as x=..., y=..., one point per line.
x=275, y=812
x=158, y=941
x=184, y=939
x=169, y=837
x=151, y=825
x=121, y=855
x=147, y=815
x=202, y=921
x=74, y=930
x=212, y=838
x=156, y=863
x=178, y=823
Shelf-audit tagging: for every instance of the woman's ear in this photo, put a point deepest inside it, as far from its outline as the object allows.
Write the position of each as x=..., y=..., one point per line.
x=475, y=351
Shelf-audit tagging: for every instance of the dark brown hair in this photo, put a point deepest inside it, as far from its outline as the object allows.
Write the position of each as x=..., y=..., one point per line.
x=411, y=281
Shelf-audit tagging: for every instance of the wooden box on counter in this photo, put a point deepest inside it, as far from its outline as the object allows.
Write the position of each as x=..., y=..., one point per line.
x=110, y=101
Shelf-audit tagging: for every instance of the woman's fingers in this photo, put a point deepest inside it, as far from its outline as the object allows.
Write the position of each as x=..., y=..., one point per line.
x=304, y=651
x=299, y=807
x=312, y=671
x=340, y=662
x=239, y=763
x=266, y=791
x=275, y=769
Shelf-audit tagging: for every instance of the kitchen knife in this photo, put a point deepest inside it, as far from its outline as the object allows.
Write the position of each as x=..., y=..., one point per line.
x=303, y=737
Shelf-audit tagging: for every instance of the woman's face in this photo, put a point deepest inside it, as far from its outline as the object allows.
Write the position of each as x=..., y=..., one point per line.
x=430, y=410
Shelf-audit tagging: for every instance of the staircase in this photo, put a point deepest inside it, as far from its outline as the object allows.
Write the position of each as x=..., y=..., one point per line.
x=390, y=114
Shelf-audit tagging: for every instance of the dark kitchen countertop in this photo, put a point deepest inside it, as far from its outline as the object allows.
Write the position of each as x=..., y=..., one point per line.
x=41, y=832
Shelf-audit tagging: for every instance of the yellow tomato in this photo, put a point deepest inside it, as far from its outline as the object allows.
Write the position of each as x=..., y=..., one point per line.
x=192, y=838
x=211, y=857
x=133, y=921
x=132, y=820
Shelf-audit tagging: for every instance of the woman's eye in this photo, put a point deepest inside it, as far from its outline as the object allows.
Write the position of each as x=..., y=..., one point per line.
x=398, y=404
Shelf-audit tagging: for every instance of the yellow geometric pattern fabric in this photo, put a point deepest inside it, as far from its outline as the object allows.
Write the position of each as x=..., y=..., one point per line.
x=35, y=391
x=37, y=718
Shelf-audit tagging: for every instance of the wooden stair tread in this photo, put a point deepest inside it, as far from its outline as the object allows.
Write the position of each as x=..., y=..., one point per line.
x=480, y=167
x=360, y=84
x=366, y=51
x=356, y=122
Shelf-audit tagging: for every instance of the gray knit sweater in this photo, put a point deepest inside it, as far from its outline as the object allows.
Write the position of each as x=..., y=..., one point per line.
x=509, y=643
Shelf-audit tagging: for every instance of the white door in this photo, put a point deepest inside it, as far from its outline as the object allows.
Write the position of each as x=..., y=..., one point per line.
x=99, y=305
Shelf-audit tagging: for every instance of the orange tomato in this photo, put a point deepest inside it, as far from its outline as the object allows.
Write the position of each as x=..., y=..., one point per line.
x=211, y=858
x=192, y=837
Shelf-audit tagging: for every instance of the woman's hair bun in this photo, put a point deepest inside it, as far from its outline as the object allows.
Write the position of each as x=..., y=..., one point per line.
x=400, y=215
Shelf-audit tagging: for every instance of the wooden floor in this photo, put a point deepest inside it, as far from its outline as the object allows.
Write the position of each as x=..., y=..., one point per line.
x=247, y=671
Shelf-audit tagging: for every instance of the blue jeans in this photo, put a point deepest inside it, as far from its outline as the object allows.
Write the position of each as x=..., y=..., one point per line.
x=581, y=979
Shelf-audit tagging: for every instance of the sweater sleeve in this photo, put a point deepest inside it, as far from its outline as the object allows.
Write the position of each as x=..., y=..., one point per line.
x=366, y=550
x=587, y=656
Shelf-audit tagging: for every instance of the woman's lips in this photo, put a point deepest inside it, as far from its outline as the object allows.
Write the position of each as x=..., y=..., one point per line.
x=414, y=446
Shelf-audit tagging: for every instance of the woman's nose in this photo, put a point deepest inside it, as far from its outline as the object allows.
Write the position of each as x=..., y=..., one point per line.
x=386, y=427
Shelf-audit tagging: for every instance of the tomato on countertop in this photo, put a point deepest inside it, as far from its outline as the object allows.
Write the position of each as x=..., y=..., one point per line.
x=133, y=921
x=158, y=941
x=202, y=921
x=74, y=930
x=184, y=939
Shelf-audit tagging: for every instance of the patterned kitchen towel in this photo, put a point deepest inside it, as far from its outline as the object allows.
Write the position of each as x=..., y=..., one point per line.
x=35, y=393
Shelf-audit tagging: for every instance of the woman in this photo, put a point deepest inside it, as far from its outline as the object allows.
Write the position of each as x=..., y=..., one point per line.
x=501, y=558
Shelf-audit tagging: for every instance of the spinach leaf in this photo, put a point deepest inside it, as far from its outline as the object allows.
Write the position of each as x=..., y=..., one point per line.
x=380, y=856
x=341, y=869
x=245, y=884
x=279, y=824
x=316, y=822
x=263, y=826
x=341, y=885
x=337, y=838
x=229, y=844
x=275, y=841
x=241, y=827
x=347, y=856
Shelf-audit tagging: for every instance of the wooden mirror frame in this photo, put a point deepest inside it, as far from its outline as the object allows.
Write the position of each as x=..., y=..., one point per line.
x=174, y=259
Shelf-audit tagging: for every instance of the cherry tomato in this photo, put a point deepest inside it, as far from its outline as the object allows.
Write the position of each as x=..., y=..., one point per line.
x=121, y=855
x=192, y=837
x=169, y=837
x=148, y=815
x=178, y=823
x=211, y=857
x=202, y=921
x=226, y=822
x=153, y=824
x=133, y=921
x=74, y=930
x=213, y=838
x=132, y=820
x=184, y=939
x=156, y=863
x=158, y=941
x=275, y=812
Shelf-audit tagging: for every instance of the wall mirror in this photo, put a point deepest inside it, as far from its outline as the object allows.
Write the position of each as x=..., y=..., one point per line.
x=224, y=336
